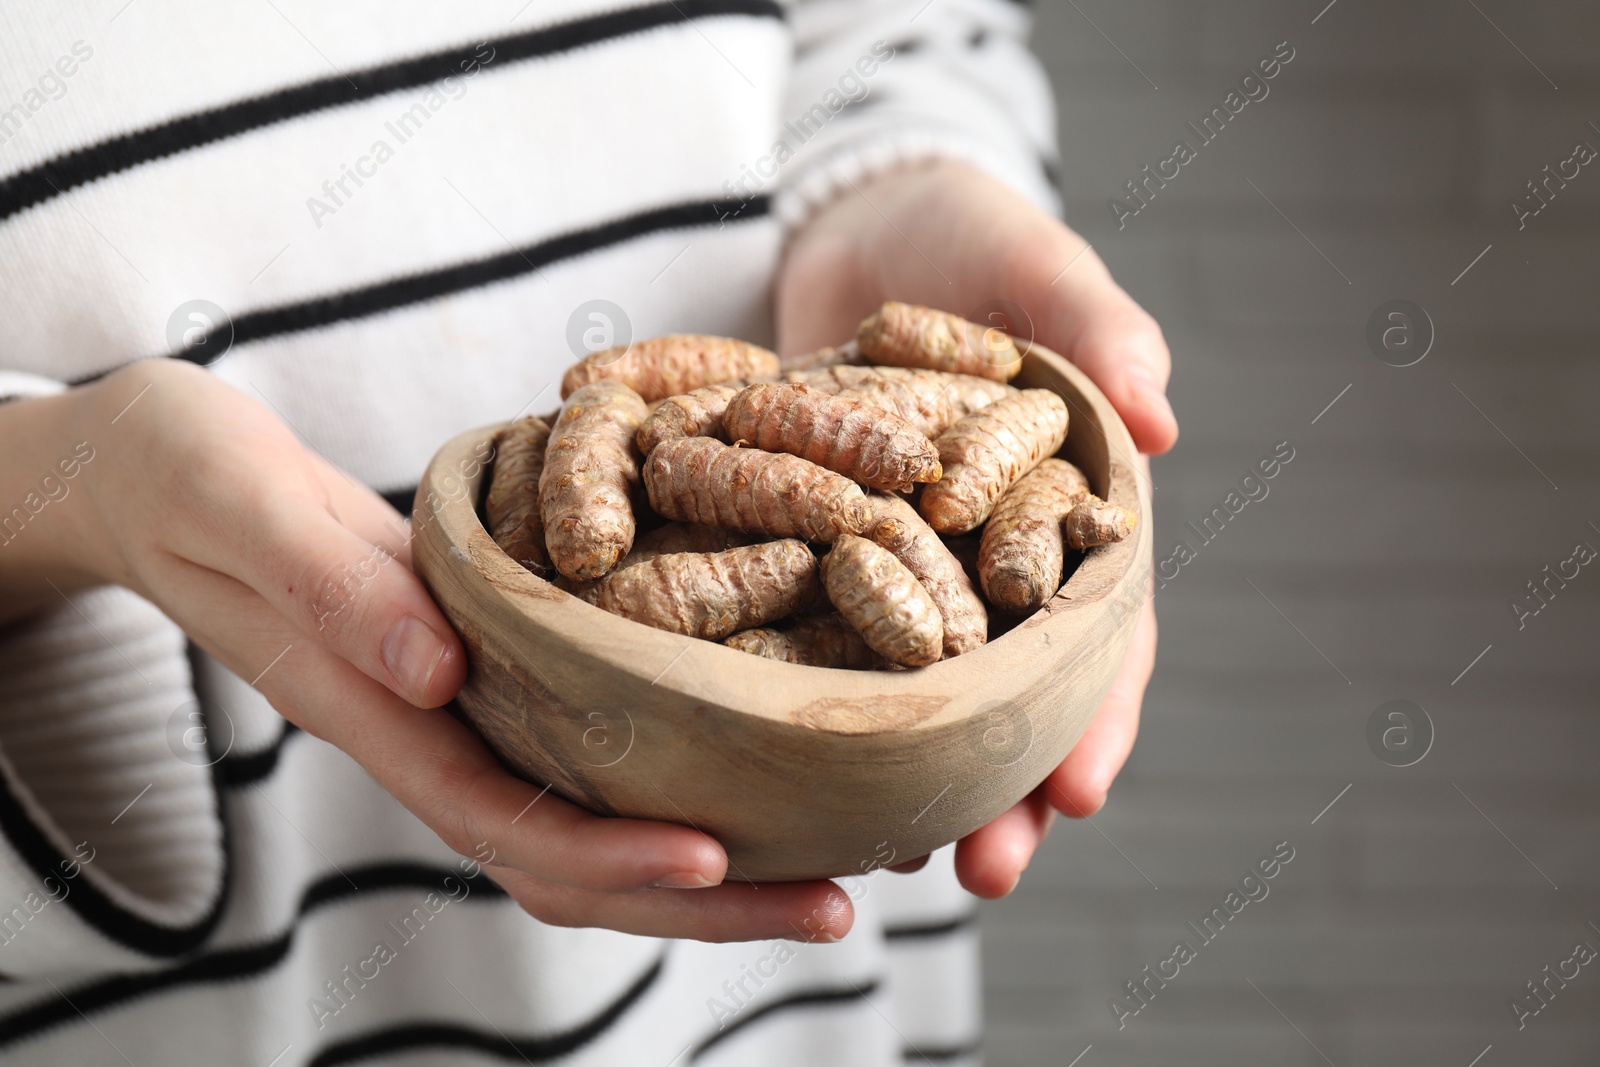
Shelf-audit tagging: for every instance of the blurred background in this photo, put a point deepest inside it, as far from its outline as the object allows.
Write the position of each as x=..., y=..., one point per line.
x=1384, y=564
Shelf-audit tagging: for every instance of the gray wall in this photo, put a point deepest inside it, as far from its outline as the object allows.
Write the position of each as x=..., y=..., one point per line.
x=1385, y=558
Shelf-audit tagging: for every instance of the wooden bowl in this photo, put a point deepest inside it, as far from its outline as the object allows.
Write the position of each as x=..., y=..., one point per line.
x=800, y=772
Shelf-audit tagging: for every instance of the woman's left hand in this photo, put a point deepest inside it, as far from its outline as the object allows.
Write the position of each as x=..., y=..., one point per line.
x=948, y=236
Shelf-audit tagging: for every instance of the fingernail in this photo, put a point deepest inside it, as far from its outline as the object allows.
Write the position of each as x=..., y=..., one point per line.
x=1144, y=386
x=817, y=939
x=683, y=880
x=412, y=653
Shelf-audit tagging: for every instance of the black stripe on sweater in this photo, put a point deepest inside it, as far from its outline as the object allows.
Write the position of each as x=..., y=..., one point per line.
x=939, y=1053
x=928, y=930
x=805, y=998
x=185, y=133
x=519, y=1049
x=235, y=771
x=401, y=499
x=91, y=903
x=233, y=964
x=395, y=293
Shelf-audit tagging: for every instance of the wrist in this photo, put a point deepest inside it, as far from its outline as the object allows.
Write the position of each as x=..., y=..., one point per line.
x=47, y=512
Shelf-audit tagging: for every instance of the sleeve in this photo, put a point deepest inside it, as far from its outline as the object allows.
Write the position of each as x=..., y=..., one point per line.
x=878, y=83
x=19, y=385
x=111, y=845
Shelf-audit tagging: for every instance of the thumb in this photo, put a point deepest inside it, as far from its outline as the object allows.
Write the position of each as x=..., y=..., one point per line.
x=354, y=596
x=1083, y=314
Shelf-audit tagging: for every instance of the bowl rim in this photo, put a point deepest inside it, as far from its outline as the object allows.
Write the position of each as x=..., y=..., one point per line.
x=569, y=624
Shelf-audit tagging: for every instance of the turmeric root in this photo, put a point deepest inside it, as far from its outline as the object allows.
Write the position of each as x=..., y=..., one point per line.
x=833, y=379
x=905, y=335
x=590, y=472
x=928, y=399
x=697, y=479
x=697, y=413
x=685, y=537
x=671, y=365
x=883, y=600
x=969, y=393
x=846, y=436
x=984, y=453
x=845, y=354
x=1094, y=522
x=1020, y=557
x=817, y=641
x=901, y=530
x=710, y=595
x=511, y=509
x=928, y=411
x=670, y=538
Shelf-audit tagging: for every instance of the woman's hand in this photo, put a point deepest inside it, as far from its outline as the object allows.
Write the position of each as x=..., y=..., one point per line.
x=948, y=236
x=202, y=501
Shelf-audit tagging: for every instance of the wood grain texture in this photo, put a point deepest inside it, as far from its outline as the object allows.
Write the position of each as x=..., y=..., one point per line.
x=799, y=772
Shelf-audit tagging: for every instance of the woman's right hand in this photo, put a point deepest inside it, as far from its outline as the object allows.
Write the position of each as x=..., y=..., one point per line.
x=203, y=502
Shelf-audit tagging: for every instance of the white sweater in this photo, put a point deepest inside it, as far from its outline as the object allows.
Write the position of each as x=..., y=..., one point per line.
x=404, y=208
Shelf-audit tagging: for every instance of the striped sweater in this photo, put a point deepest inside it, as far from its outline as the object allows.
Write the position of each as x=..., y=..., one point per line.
x=391, y=222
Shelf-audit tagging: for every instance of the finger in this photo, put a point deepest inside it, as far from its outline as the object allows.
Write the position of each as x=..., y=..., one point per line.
x=1079, y=785
x=737, y=911
x=1082, y=313
x=1016, y=251
x=977, y=241
x=910, y=866
x=430, y=762
x=341, y=589
x=443, y=774
x=991, y=859
x=360, y=509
